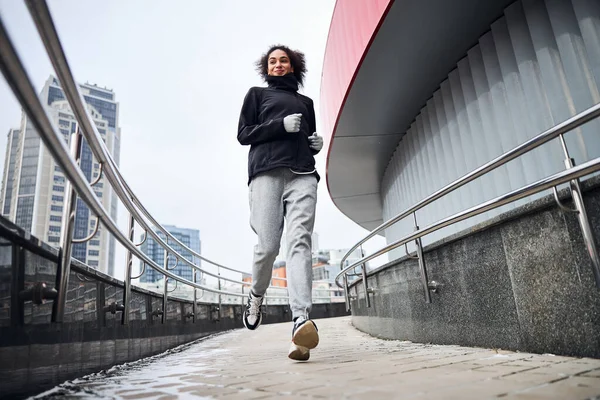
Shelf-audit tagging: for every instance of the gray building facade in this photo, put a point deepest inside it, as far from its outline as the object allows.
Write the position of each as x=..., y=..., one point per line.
x=33, y=186
x=189, y=237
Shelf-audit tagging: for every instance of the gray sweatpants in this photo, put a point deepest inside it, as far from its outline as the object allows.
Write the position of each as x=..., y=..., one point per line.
x=275, y=195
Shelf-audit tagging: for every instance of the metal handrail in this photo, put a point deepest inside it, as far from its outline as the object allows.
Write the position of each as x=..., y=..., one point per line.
x=546, y=136
x=18, y=79
x=47, y=31
x=543, y=184
x=77, y=184
x=49, y=35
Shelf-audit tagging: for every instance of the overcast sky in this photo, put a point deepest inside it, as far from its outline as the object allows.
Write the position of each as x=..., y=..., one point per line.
x=180, y=70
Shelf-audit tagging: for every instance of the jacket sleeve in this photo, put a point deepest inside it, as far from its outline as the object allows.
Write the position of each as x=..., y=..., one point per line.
x=312, y=122
x=249, y=130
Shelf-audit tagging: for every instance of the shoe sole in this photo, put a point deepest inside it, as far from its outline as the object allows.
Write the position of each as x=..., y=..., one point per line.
x=299, y=354
x=306, y=335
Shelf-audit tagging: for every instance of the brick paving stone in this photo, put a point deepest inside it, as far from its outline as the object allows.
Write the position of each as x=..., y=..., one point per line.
x=592, y=374
x=147, y=395
x=569, y=388
x=248, y=395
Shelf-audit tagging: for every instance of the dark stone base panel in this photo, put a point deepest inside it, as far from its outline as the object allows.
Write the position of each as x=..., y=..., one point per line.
x=522, y=281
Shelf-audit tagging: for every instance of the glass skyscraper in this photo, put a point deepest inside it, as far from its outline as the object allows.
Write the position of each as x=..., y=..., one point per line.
x=189, y=237
x=33, y=186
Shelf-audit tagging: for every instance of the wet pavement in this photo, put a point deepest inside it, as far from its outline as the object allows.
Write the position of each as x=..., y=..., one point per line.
x=347, y=364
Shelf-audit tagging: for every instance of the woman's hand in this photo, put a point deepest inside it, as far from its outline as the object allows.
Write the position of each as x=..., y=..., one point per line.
x=291, y=123
x=315, y=142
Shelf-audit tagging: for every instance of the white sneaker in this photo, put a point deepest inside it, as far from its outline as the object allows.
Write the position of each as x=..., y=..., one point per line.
x=252, y=313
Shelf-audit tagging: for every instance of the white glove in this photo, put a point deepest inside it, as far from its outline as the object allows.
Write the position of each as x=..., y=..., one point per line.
x=316, y=142
x=291, y=123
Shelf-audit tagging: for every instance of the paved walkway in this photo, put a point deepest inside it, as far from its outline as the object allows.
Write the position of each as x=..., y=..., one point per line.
x=347, y=364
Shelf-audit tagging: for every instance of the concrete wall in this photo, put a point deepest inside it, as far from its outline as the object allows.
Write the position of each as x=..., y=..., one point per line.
x=521, y=281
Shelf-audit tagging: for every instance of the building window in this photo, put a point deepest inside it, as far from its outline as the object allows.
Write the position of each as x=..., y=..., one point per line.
x=58, y=198
x=93, y=263
x=98, y=194
x=93, y=253
x=56, y=208
x=58, y=188
x=94, y=243
x=54, y=228
x=55, y=218
x=59, y=179
x=54, y=239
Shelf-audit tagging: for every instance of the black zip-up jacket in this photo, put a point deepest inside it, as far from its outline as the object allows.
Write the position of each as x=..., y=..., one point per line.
x=261, y=127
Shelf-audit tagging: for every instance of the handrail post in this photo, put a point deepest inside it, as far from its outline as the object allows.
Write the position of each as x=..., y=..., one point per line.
x=219, y=285
x=364, y=278
x=584, y=222
x=365, y=286
x=194, y=306
x=346, y=292
x=66, y=236
x=165, y=291
x=422, y=266
x=128, y=265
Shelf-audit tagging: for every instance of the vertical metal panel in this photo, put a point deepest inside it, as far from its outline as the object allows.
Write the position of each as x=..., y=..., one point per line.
x=396, y=169
x=427, y=215
x=551, y=76
x=516, y=123
x=414, y=178
x=448, y=157
x=587, y=13
x=434, y=174
x=457, y=156
x=417, y=163
x=502, y=119
x=414, y=174
x=468, y=149
x=400, y=188
x=538, y=110
x=484, y=129
x=579, y=84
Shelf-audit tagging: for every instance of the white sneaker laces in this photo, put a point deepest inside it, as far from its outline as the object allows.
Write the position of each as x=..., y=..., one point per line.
x=255, y=303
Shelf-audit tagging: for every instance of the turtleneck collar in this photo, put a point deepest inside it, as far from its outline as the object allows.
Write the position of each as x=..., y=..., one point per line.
x=286, y=82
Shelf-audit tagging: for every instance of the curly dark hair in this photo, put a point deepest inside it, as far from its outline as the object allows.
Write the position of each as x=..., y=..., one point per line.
x=296, y=59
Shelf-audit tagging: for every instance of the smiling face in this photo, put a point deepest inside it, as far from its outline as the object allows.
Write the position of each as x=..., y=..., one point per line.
x=278, y=63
